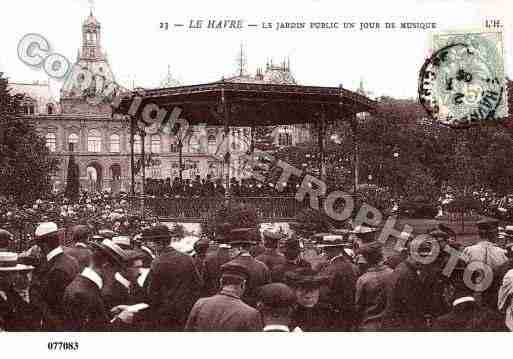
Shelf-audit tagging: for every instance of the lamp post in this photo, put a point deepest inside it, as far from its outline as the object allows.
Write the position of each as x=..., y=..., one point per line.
x=396, y=158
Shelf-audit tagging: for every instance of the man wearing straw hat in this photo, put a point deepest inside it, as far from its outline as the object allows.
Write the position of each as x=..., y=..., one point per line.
x=84, y=306
x=53, y=275
x=18, y=312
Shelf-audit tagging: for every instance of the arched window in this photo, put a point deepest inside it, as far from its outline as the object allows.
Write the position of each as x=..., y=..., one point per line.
x=155, y=144
x=137, y=144
x=49, y=108
x=51, y=141
x=194, y=145
x=212, y=142
x=114, y=143
x=73, y=142
x=94, y=141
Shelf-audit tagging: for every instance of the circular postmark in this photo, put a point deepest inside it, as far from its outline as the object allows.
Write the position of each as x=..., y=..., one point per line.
x=461, y=85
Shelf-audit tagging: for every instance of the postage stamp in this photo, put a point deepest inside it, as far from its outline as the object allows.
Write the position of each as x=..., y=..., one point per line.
x=462, y=83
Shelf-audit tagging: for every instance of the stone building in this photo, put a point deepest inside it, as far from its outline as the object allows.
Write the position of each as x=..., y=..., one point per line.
x=100, y=142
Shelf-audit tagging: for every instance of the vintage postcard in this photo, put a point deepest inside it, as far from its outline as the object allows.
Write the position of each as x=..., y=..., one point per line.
x=270, y=166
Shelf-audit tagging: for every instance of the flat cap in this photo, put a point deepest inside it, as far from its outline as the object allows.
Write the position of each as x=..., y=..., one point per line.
x=235, y=268
x=277, y=295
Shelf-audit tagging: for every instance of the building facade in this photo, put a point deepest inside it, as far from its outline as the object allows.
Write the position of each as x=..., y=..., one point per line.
x=100, y=142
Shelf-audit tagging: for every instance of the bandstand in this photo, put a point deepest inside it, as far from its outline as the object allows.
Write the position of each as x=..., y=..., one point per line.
x=228, y=104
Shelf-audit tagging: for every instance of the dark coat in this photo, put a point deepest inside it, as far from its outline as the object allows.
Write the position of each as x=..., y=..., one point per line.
x=50, y=282
x=469, y=317
x=212, y=270
x=81, y=254
x=223, y=312
x=173, y=286
x=18, y=315
x=84, y=307
x=278, y=272
x=319, y=318
x=339, y=292
x=271, y=259
x=258, y=276
x=407, y=300
x=114, y=293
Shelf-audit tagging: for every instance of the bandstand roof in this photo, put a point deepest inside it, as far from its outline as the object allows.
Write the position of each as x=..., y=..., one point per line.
x=253, y=104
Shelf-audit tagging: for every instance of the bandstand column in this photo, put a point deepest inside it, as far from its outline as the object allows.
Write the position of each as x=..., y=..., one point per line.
x=356, y=150
x=321, y=133
x=226, y=113
x=132, y=158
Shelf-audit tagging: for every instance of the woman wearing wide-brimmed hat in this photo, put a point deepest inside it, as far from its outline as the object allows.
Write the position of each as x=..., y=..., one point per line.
x=310, y=315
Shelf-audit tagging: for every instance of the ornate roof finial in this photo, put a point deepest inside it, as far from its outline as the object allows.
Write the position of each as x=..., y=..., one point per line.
x=241, y=60
x=91, y=7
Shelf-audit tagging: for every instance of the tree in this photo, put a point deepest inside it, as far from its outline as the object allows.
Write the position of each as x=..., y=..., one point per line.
x=72, y=180
x=25, y=163
x=227, y=217
x=310, y=221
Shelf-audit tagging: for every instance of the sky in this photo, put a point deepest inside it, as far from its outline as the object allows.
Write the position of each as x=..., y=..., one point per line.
x=140, y=52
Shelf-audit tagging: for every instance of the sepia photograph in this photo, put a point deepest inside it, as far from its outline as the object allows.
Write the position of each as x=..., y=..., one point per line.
x=271, y=166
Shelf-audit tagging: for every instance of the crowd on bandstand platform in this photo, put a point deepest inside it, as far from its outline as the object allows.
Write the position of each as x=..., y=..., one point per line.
x=208, y=187
x=113, y=273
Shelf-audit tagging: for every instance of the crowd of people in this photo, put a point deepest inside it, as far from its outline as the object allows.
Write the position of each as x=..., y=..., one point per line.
x=116, y=279
x=208, y=187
